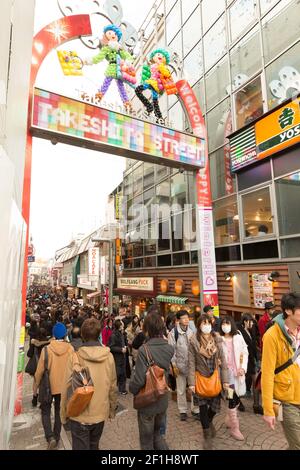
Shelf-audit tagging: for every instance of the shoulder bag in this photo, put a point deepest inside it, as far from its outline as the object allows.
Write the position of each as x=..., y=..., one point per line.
x=82, y=388
x=45, y=395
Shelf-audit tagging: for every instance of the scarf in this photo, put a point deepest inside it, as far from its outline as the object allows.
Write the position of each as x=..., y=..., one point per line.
x=208, y=346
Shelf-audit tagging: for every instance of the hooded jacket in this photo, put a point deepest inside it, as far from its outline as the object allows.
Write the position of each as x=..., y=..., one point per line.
x=278, y=349
x=181, y=347
x=58, y=355
x=101, y=365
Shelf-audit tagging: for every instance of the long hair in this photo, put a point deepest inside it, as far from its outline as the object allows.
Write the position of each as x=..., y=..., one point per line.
x=230, y=320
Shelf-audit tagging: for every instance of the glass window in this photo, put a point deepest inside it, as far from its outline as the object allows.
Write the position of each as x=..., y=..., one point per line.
x=128, y=185
x=161, y=172
x=177, y=232
x=164, y=236
x=283, y=77
x=217, y=83
x=178, y=192
x=149, y=205
x=280, y=28
x=194, y=257
x=187, y=8
x=245, y=59
x=137, y=180
x=148, y=175
x=173, y=22
x=222, y=182
x=215, y=43
x=169, y=5
x=128, y=264
x=241, y=289
x=290, y=248
x=189, y=224
x=164, y=260
x=199, y=92
x=257, y=214
x=211, y=14
x=176, y=117
x=150, y=247
x=249, y=103
x=254, y=175
x=191, y=32
x=150, y=262
x=163, y=193
x=193, y=64
x=265, y=250
x=228, y=253
x=265, y=5
x=216, y=123
x=242, y=13
x=191, y=189
x=286, y=163
x=288, y=196
x=138, y=263
x=226, y=220
x=176, y=44
x=181, y=259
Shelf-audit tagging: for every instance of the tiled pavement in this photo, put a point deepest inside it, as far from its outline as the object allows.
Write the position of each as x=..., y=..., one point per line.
x=122, y=432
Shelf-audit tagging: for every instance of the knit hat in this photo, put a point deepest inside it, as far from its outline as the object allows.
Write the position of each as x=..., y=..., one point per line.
x=59, y=331
x=113, y=27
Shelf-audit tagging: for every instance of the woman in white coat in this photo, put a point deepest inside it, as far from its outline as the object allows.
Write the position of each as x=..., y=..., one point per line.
x=236, y=353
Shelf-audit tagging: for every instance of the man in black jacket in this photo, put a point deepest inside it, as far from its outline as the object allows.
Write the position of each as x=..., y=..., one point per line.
x=118, y=349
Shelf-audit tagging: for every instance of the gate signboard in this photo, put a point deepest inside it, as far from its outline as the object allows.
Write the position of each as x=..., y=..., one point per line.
x=66, y=120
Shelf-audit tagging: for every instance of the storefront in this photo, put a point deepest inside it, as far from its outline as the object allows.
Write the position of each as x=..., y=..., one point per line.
x=139, y=292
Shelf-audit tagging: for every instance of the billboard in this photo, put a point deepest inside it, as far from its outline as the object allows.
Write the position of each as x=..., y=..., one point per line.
x=63, y=119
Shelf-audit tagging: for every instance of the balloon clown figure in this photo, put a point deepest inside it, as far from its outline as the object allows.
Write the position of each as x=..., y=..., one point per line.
x=156, y=77
x=120, y=66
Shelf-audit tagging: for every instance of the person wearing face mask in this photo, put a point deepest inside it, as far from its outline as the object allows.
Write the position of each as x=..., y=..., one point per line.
x=236, y=352
x=206, y=354
x=246, y=329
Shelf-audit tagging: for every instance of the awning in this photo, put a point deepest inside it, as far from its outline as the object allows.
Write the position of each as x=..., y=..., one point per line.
x=172, y=300
x=93, y=295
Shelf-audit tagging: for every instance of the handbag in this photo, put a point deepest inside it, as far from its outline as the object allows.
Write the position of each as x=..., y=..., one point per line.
x=172, y=378
x=208, y=386
x=82, y=388
x=155, y=386
x=45, y=395
x=32, y=364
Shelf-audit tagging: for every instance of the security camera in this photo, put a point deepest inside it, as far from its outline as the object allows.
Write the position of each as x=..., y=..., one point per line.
x=54, y=141
x=181, y=170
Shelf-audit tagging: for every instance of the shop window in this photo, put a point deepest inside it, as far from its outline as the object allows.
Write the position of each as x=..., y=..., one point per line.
x=137, y=180
x=215, y=43
x=150, y=247
x=161, y=172
x=222, y=181
x=164, y=260
x=280, y=28
x=149, y=206
x=217, y=83
x=138, y=263
x=226, y=220
x=228, y=253
x=241, y=289
x=265, y=250
x=193, y=64
x=138, y=248
x=248, y=103
x=283, y=77
x=290, y=248
x=242, y=14
x=128, y=250
x=209, y=14
x=288, y=196
x=150, y=262
x=192, y=195
x=286, y=163
x=188, y=8
x=164, y=236
x=257, y=214
x=180, y=259
x=173, y=22
x=128, y=263
x=177, y=232
x=163, y=193
x=260, y=173
x=216, y=123
x=191, y=32
x=189, y=225
x=128, y=185
x=245, y=59
x=178, y=192
x=194, y=257
x=148, y=175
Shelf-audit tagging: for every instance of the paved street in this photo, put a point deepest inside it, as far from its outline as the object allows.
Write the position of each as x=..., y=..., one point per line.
x=122, y=433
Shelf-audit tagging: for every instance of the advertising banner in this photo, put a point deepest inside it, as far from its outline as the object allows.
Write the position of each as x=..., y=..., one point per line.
x=262, y=289
x=94, y=262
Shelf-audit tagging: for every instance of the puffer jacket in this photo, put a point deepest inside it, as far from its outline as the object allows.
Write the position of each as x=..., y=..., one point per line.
x=181, y=347
x=101, y=365
x=58, y=355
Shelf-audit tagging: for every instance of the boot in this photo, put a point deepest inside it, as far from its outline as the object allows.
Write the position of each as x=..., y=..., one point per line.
x=235, y=425
x=207, y=443
x=257, y=408
x=227, y=420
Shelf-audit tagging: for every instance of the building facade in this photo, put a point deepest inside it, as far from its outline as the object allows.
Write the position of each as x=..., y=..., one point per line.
x=242, y=59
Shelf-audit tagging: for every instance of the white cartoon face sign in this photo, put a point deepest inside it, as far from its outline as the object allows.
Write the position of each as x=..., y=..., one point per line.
x=287, y=85
x=78, y=7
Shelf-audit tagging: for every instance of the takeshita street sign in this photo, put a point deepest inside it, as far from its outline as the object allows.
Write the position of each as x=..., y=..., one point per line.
x=67, y=120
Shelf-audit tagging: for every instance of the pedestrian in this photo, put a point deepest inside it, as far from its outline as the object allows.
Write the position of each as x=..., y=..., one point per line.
x=118, y=349
x=236, y=354
x=209, y=310
x=179, y=338
x=138, y=340
x=107, y=332
x=206, y=355
x=152, y=417
x=132, y=331
x=87, y=428
x=58, y=351
x=265, y=319
x=281, y=350
x=76, y=340
x=246, y=329
x=38, y=344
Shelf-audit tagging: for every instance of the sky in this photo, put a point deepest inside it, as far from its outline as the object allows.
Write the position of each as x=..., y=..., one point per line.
x=70, y=185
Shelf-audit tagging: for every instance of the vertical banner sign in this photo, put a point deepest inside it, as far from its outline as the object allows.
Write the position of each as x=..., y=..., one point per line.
x=118, y=251
x=103, y=270
x=94, y=262
x=209, y=288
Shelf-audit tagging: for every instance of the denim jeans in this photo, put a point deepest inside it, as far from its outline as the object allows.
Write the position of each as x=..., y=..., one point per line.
x=46, y=419
x=291, y=425
x=86, y=436
x=149, y=429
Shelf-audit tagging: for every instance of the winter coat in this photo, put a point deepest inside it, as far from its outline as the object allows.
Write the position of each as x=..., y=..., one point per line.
x=116, y=343
x=197, y=362
x=77, y=343
x=137, y=343
x=252, y=350
x=241, y=361
x=262, y=325
x=181, y=347
x=162, y=353
x=101, y=366
x=277, y=350
x=58, y=355
x=106, y=334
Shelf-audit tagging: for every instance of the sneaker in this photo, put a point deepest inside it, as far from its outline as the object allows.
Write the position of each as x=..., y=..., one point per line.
x=241, y=407
x=52, y=444
x=196, y=415
x=124, y=393
x=183, y=416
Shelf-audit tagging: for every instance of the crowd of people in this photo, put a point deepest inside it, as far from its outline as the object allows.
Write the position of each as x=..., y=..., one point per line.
x=207, y=359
